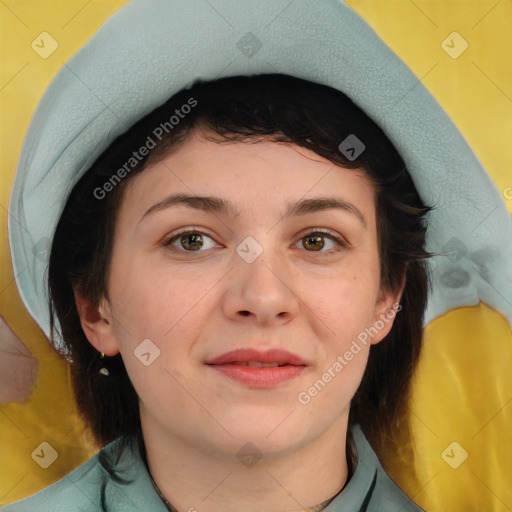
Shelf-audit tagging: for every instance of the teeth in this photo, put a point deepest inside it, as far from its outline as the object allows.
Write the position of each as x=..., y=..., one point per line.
x=257, y=364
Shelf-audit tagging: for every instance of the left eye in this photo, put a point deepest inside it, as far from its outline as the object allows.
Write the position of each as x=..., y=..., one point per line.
x=315, y=241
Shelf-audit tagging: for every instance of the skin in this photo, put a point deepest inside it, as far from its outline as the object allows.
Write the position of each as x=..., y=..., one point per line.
x=197, y=305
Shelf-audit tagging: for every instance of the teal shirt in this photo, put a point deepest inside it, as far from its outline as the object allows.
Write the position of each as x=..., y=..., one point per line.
x=369, y=489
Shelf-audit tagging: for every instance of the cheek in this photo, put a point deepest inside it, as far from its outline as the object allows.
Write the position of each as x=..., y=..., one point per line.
x=343, y=312
x=344, y=306
x=157, y=302
x=345, y=301
x=167, y=310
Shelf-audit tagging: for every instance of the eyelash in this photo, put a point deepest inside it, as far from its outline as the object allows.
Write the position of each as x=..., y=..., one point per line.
x=341, y=243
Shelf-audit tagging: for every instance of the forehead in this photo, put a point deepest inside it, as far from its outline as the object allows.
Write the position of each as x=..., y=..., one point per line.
x=264, y=174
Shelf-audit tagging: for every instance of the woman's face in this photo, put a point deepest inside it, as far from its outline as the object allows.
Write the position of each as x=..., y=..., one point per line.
x=262, y=278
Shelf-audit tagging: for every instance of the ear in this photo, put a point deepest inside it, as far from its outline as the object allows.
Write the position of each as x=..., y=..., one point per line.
x=97, y=324
x=386, y=309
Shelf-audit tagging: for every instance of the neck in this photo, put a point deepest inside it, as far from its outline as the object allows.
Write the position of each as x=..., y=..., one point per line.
x=189, y=478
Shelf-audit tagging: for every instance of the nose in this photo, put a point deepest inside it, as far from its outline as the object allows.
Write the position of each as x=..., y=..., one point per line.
x=261, y=292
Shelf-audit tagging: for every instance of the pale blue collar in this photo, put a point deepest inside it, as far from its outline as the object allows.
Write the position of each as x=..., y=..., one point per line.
x=369, y=489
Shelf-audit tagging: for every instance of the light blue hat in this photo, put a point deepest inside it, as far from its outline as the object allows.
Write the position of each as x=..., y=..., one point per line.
x=151, y=49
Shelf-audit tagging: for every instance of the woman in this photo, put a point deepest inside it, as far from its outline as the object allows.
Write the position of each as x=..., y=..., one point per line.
x=150, y=329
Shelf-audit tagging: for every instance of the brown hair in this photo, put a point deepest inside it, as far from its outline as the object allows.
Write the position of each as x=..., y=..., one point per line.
x=279, y=108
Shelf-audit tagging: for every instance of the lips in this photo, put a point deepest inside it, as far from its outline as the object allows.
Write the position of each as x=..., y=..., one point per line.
x=255, y=358
x=256, y=369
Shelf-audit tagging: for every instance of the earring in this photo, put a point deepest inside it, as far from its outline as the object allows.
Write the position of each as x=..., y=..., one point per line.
x=103, y=370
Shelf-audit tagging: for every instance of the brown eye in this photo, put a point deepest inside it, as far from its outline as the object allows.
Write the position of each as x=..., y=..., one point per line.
x=192, y=241
x=189, y=241
x=315, y=242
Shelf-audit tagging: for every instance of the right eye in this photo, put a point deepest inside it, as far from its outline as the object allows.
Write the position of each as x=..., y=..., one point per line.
x=189, y=241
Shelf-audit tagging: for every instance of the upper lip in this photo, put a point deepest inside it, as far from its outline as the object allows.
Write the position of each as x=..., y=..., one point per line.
x=275, y=355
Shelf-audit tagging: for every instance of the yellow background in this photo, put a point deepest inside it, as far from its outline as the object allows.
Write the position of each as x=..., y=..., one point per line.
x=463, y=389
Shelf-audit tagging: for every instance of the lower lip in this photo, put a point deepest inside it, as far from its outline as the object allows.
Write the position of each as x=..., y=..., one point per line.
x=259, y=377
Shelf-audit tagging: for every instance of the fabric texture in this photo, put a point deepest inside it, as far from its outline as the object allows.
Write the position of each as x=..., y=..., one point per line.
x=369, y=490
x=147, y=52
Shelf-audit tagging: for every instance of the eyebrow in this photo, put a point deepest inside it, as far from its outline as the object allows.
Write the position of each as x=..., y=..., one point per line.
x=226, y=207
